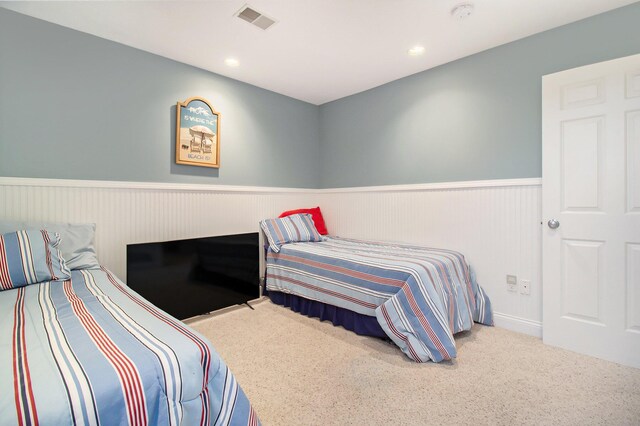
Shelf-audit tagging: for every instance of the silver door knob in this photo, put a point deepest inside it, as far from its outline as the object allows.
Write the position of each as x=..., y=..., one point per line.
x=553, y=224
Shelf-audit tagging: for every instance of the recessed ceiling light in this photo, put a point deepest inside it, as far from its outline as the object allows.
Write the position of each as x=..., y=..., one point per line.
x=232, y=62
x=416, y=51
x=462, y=11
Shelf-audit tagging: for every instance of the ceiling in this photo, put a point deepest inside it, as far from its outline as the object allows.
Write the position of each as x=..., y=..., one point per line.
x=319, y=50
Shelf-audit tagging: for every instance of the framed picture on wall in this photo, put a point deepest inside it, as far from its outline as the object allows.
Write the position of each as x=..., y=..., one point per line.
x=197, y=133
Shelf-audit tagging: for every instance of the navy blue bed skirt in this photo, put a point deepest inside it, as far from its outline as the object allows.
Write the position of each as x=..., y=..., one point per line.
x=358, y=323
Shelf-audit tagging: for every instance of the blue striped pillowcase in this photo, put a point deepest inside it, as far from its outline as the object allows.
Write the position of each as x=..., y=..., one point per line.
x=30, y=257
x=291, y=229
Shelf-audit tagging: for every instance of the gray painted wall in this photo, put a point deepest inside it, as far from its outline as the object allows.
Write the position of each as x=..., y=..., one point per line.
x=473, y=119
x=75, y=106
x=80, y=107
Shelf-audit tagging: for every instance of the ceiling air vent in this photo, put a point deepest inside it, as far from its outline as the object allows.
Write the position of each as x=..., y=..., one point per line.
x=255, y=18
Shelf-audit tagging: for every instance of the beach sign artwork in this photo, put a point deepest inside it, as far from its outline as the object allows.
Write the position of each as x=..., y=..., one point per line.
x=197, y=133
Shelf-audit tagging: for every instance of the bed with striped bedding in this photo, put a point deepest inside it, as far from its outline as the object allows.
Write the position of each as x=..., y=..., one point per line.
x=420, y=296
x=91, y=351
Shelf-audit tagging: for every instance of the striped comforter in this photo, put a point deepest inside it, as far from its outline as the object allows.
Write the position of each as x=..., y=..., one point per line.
x=91, y=351
x=420, y=296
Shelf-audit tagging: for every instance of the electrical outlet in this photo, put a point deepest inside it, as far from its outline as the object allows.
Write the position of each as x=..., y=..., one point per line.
x=525, y=287
x=512, y=283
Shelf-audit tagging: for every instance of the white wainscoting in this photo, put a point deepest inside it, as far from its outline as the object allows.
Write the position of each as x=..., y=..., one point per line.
x=132, y=212
x=496, y=224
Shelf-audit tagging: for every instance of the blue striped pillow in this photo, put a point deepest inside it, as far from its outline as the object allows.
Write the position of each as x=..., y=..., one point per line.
x=30, y=257
x=290, y=229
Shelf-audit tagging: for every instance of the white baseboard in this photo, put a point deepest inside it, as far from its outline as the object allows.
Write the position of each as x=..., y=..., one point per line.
x=521, y=325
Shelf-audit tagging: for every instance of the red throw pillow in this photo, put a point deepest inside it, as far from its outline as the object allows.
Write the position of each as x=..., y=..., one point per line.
x=316, y=215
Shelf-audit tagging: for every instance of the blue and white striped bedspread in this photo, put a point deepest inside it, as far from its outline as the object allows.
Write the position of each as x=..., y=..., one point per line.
x=420, y=296
x=91, y=351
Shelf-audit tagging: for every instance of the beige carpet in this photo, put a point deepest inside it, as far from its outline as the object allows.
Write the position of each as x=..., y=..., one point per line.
x=300, y=371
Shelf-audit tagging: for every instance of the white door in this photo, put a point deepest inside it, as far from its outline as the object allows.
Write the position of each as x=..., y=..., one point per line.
x=591, y=187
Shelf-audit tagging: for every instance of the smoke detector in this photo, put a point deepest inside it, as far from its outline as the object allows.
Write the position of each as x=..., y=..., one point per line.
x=254, y=17
x=462, y=11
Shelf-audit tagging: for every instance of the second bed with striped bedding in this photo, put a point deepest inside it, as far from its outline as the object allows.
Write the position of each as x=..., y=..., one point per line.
x=420, y=296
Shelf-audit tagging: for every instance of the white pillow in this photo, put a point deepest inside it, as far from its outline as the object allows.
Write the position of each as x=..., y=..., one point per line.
x=76, y=240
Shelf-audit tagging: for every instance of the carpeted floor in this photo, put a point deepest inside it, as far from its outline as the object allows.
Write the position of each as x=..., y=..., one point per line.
x=300, y=371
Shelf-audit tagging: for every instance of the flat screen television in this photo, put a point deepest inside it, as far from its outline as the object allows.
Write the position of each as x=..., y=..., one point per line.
x=192, y=277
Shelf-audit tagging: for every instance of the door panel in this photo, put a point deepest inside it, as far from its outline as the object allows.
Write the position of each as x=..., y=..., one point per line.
x=633, y=84
x=580, y=141
x=581, y=280
x=633, y=288
x=582, y=94
x=633, y=162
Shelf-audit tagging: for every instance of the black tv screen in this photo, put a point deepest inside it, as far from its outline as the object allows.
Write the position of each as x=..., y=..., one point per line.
x=191, y=277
